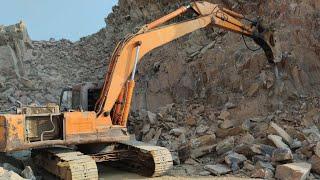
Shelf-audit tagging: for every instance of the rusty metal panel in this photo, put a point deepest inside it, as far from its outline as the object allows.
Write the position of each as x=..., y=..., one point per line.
x=40, y=125
x=15, y=131
x=31, y=110
x=114, y=134
x=3, y=132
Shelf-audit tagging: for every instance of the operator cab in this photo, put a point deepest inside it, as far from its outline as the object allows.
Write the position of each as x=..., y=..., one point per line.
x=81, y=97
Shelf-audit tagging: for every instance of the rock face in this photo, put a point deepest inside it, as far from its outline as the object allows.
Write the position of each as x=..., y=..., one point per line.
x=37, y=71
x=14, y=42
x=200, y=96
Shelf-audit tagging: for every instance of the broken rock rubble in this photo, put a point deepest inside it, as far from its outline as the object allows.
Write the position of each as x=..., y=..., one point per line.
x=217, y=169
x=219, y=151
x=293, y=171
x=10, y=172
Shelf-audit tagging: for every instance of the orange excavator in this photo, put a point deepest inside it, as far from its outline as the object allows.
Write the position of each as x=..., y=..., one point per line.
x=92, y=126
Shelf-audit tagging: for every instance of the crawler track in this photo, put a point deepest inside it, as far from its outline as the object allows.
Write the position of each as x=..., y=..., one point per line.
x=135, y=156
x=145, y=159
x=68, y=164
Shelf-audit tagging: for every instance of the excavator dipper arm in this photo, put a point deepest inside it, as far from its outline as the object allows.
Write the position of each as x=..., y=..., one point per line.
x=130, y=51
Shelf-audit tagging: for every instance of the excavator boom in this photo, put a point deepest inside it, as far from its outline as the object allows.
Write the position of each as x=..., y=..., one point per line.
x=153, y=35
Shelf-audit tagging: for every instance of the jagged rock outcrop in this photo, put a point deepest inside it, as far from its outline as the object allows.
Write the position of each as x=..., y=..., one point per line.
x=186, y=69
x=14, y=42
